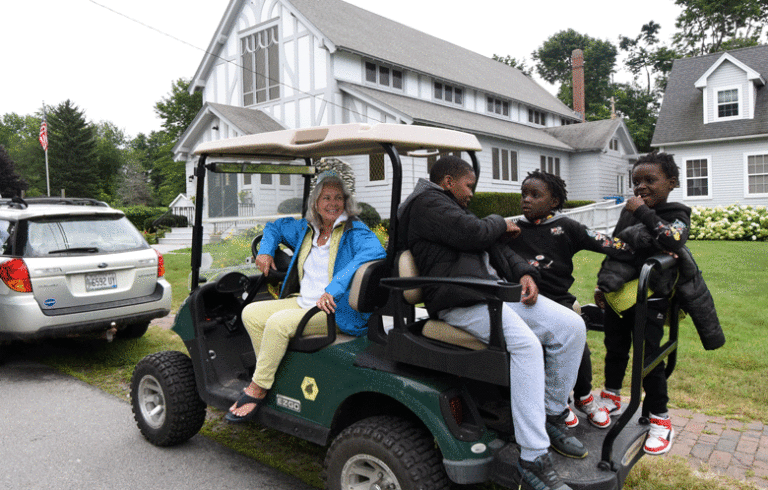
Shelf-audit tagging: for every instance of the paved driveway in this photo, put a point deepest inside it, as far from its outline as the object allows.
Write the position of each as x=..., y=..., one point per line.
x=60, y=433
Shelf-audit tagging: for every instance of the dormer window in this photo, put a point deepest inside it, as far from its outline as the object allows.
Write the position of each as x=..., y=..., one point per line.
x=727, y=103
x=497, y=106
x=383, y=75
x=448, y=93
x=537, y=117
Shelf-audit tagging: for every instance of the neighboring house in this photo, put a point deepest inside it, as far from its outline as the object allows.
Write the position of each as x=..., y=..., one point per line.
x=714, y=120
x=295, y=63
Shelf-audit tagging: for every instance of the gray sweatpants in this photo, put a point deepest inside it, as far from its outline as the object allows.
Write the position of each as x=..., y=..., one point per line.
x=540, y=379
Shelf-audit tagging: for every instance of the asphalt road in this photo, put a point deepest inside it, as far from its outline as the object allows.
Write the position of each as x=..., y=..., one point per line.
x=59, y=433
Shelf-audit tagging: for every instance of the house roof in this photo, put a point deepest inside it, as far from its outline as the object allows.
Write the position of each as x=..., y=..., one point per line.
x=423, y=112
x=591, y=136
x=246, y=121
x=681, y=119
x=359, y=31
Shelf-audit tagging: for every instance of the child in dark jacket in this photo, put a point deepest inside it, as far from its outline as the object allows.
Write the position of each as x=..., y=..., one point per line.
x=653, y=176
x=548, y=241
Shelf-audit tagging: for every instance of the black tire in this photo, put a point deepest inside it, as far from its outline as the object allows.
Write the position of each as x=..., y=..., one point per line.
x=166, y=405
x=401, y=453
x=133, y=331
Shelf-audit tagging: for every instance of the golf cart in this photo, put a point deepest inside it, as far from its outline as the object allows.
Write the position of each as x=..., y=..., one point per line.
x=421, y=404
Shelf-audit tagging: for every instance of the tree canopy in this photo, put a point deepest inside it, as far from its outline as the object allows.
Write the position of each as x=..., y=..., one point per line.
x=709, y=26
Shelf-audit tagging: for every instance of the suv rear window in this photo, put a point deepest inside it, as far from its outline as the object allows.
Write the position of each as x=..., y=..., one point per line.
x=6, y=228
x=81, y=235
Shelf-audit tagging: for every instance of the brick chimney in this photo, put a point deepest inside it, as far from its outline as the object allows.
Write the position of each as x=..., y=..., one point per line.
x=577, y=62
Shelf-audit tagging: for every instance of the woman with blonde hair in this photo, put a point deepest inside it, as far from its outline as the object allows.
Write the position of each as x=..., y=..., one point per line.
x=330, y=244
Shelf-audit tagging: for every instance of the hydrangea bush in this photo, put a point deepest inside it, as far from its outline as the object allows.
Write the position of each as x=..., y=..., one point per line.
x=733, y=222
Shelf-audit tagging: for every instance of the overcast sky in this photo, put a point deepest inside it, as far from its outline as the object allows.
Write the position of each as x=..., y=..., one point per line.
x=115, y=59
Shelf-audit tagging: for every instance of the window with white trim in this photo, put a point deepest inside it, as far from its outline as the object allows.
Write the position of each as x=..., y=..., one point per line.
x=537, y=117
x=383, y=75
x=504, y=164
x=497, y=106
x=550, y=164
x=614, y=144
x=727, y=103
x=697, y=177
x=376, y=167
x=448, y=93
x=757, y=174
x=261, y=66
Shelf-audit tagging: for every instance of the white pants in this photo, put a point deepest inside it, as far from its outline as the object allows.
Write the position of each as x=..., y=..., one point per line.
x=540, y=379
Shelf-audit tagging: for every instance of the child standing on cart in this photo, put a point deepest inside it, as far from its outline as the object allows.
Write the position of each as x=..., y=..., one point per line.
x=548, y=241
x=647, y=213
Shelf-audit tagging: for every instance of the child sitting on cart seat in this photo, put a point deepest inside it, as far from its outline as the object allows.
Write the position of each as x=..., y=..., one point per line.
x=654, y=176
x=548, y=241
x=330, y=245
x=447, y=240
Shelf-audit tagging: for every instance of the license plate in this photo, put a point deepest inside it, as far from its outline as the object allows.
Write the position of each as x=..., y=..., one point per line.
x=96, y=282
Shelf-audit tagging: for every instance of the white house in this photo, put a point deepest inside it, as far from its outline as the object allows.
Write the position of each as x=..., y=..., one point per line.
x=714, y=120
x=296, y=63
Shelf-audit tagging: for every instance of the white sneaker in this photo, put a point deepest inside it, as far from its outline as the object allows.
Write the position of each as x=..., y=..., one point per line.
x=597, y=415
x=571, y=420
x=659, y=440
x=610, y=401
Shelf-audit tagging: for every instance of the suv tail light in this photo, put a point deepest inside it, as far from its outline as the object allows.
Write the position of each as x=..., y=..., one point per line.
x=15, y=275
x=160, y=264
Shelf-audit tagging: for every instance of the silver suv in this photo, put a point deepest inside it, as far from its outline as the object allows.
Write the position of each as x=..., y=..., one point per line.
x=72, y=267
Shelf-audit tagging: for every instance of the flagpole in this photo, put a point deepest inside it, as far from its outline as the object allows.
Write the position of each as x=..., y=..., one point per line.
x=47, y=177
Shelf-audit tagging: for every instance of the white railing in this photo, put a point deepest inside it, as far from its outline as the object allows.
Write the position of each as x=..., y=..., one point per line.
x=600, y=216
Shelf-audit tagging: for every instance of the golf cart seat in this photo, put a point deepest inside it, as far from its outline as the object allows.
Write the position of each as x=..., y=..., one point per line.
x=435, y=344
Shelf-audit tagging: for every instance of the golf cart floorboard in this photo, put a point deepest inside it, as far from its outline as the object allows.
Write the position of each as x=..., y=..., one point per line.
x=583, y=474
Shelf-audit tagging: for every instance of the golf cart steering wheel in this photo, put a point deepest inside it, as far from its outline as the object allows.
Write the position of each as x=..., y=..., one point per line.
x=282, y=259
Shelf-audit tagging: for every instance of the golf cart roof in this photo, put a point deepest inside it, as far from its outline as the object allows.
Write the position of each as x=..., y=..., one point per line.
x=340, y=140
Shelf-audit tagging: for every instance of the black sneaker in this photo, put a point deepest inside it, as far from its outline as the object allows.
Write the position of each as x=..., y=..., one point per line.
x=560, y=441
x=539, y=474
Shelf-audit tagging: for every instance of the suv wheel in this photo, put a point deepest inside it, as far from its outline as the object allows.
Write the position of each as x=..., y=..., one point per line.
x=133, y=331
x=164, y=398
x=384, y=452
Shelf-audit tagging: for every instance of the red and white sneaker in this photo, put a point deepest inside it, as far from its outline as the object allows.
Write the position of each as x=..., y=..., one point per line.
x=659, y=440
x=597, y=415
x=610, y=401
x=571, y=420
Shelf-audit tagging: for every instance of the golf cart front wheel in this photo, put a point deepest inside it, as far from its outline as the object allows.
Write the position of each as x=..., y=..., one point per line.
x=384, y=452
x=164, y=398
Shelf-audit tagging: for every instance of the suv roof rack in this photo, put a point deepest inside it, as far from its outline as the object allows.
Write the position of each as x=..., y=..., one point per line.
x=20, y=203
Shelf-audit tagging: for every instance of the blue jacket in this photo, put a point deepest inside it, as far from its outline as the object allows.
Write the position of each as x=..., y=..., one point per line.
x=358, y=245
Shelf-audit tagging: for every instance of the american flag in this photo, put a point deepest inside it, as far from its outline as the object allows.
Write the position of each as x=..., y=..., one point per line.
x=44, y=134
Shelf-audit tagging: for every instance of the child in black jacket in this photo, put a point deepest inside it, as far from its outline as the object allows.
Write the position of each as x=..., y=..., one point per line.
x=653, y=176
x=548, y=241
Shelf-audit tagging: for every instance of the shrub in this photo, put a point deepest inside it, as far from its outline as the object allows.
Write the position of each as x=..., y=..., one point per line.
x=290, y=206
x=165, y=221
x=139, y=214
x=369, y=215
x=503, y=203
x=576, y=204
x=732, y=222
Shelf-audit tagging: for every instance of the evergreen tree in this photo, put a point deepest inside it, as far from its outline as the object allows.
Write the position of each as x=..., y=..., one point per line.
x=10, y=183
x=72, y=157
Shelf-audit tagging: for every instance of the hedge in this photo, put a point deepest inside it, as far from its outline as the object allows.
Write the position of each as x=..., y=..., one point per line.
x=139, y=214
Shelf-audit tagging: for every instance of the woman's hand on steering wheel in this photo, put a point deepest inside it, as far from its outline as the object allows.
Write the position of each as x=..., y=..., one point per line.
x=265, y=263
x=326, y=303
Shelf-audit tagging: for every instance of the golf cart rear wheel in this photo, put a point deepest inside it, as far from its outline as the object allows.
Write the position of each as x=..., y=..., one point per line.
x=384, y=452
x=166, y=405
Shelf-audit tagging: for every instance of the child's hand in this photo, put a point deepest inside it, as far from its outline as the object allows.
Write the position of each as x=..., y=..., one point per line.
x=530, y=290
x=513, y=231
x=600, y=299
x=633, y=203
